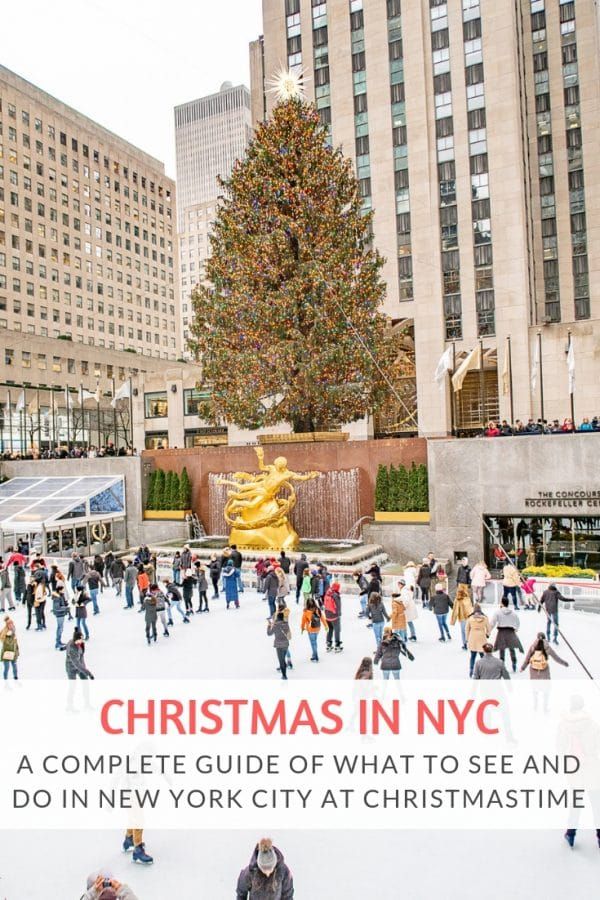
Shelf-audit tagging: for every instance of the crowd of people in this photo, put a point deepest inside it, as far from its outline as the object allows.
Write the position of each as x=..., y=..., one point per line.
x=68, y=452
x=540, y=426
x=183, y=592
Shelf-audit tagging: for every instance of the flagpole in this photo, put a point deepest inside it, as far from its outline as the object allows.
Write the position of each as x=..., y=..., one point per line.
x=53, y=420
x=98, y=411
x=82, y=413
x=22, y=431
x=539, y=336
x=452, y=411
x=39, y=424
x=510, y=380
x=68, y=422
x=114, y=415
x=571, y=392
x=10, y=430
x=131, y=411
x=481, y=384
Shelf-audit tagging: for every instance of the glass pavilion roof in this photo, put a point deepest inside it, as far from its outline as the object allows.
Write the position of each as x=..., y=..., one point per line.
x=36, y=502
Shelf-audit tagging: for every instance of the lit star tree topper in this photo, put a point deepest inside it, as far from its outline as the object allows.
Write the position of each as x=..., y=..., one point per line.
x=289, y=328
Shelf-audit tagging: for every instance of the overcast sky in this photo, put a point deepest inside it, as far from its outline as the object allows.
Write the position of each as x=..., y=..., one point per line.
x=127, y=63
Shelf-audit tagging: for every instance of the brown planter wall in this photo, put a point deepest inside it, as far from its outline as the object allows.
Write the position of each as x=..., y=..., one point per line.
x=322, y=457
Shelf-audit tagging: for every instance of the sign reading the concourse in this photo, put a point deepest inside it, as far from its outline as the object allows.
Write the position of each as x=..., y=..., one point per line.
x=576, y=499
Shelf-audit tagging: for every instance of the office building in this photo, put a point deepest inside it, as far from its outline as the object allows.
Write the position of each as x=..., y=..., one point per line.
x=210, y=134
x=474, y=129
x=87, y=243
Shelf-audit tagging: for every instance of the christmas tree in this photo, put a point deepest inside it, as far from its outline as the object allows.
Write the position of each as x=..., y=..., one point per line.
x=289, y=327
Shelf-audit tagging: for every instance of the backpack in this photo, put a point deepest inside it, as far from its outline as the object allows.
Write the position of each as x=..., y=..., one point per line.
x=539, y=661
x=315, y=619
x=331, y=604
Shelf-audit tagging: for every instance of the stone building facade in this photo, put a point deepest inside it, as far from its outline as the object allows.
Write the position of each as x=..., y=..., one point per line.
x=474, y=128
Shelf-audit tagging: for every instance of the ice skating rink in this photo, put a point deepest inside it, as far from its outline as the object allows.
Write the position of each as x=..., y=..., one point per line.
x=459, y=865
x=233, y=644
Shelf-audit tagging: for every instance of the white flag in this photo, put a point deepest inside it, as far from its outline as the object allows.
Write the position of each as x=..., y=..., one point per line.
x=471, y=361
x=70, y=400
x=535, y=366
x=506, y=370
x=32, y=406
x=20, y=401
x=571, y=366
x=90, y=395
x=123, y=393
x=444, y=365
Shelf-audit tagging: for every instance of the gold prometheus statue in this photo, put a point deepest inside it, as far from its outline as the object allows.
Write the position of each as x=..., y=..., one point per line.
x=257, y=516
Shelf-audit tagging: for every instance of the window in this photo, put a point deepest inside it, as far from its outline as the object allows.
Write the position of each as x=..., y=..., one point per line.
x=156, y=405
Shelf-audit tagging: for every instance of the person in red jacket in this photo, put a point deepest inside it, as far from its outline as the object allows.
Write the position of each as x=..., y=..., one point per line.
x=332, y=608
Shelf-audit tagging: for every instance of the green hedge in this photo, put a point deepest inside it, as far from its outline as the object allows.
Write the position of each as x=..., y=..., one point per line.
x=168, y=490
x=398, y=489
x=559, y=572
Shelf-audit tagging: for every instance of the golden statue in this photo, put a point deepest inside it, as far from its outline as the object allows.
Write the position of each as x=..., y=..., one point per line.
x=257, y=516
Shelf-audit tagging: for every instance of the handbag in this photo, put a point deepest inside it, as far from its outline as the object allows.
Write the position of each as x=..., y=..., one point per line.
x=8, y=656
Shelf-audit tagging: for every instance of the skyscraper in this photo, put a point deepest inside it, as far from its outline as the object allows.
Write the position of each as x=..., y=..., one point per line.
x=87, y=248
x=210, y=134
x=474, y=129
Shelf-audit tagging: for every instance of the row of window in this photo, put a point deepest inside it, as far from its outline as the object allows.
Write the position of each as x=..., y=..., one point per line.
x=442, y=86
x=480, y=194
x=69, y=366
x=95, y=155
x=145, y=345
x=361, y=112
x=581, y=285
x=400, y=149
x=321, y=61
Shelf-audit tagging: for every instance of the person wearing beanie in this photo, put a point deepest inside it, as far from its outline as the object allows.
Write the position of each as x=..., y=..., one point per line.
x=102, y=886
x=267, y=877
x=507, y=623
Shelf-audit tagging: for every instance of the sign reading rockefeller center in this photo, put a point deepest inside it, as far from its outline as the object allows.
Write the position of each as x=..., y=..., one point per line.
x=577, y=499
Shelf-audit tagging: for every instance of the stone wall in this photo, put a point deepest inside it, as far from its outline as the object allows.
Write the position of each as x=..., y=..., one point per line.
x=319, y=456
x=472, y=478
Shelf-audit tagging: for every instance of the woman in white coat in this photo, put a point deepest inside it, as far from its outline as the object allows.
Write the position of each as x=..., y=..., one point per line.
x=480, y=575
x=407, y=595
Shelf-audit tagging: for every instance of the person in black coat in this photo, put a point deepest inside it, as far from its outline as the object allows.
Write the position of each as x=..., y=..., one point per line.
x=424, y=581
x=388, y=654
x=300, y=567
x=463, y=573
x=214, y=570
x=441, y=603
x=18, y=582
x=550, y=600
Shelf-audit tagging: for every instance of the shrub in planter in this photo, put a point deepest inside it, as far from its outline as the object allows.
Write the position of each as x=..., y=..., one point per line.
x=559, y=572
x=382, y=488
x=185, y=491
